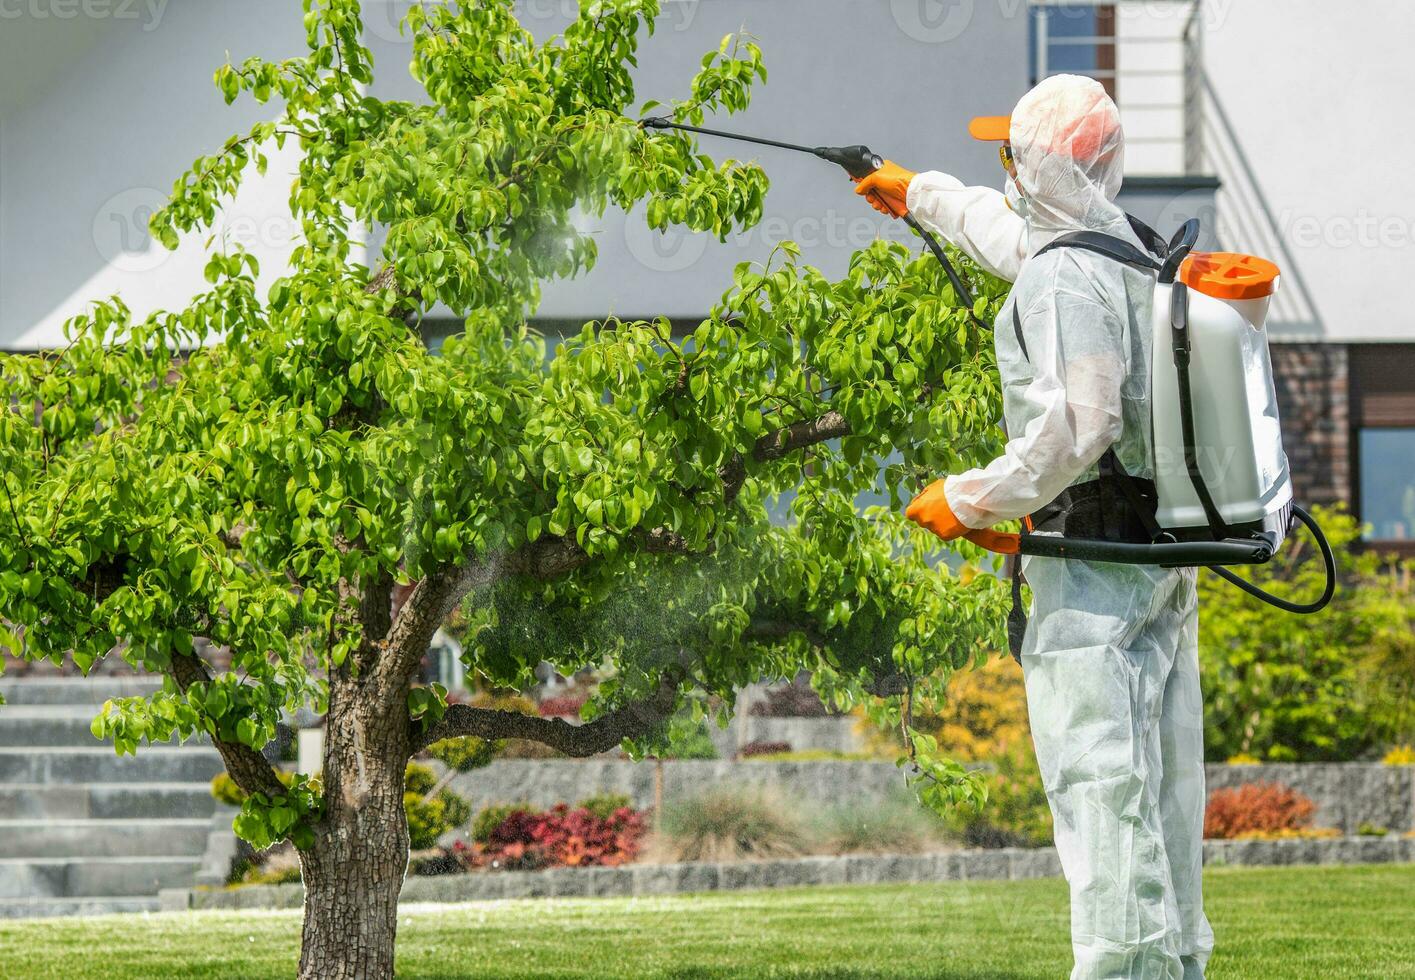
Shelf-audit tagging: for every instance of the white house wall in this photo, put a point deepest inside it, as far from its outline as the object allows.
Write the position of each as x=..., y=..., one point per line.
x=101, y=112
x=1308, y=127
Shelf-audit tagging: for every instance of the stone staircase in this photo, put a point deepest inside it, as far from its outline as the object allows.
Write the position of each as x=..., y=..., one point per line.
x=82, y=830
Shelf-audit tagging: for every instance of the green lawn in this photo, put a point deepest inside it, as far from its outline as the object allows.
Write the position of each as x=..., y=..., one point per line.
x=1326, y=923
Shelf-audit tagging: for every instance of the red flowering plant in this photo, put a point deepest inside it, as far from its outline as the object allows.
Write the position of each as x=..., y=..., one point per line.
x=559, y=837
x=1257, y=810
x=562, y=706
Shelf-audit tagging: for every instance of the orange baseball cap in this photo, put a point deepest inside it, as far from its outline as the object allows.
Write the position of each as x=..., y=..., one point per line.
x=991, y=128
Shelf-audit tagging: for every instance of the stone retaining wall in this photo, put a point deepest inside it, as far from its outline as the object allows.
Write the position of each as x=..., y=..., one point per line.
x=1347, y=795
x=855, y=869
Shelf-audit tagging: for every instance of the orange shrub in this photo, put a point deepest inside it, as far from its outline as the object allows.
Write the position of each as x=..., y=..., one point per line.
x=982, y=718
x=1256, y=808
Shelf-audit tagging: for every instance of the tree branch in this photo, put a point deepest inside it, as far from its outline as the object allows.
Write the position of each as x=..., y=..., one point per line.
x=604, y=733
x=247, y=767
x=775, y=445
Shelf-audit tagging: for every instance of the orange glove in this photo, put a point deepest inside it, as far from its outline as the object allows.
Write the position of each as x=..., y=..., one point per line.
x=930, y=510
x=887, y=189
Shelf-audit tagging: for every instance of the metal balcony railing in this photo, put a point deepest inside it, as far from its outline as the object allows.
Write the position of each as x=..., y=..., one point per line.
x=1149, y=56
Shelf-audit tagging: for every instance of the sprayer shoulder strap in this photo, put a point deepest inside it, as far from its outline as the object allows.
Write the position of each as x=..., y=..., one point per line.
x=1109, y=246
x=1112, y=473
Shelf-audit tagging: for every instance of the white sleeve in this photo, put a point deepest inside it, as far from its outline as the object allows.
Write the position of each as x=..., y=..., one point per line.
x=1073, y=405
x=974, y=219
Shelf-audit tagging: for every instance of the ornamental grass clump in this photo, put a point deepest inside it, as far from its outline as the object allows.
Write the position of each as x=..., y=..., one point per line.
x=730, y=825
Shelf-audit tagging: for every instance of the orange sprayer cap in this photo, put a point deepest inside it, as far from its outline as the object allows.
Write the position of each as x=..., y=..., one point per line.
x=1229, y=275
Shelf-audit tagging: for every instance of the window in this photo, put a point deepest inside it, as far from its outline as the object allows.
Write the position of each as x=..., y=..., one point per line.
x=1382, y=379
x=1076, y=38
x=1388, y=483
x=1149, y=57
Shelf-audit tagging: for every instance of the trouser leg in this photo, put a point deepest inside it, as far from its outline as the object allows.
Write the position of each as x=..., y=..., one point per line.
x=1182, y=796
x=1096, y=660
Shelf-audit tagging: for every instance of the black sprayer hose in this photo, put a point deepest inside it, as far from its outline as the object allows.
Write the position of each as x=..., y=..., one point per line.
x=963, y=294
x=857, y=161
x=1328, y=559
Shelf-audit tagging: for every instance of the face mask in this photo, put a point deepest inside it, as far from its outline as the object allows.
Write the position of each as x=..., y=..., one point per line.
x=1016, y=200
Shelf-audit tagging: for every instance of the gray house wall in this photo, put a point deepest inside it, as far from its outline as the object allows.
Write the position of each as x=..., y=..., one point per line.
x=99, y=112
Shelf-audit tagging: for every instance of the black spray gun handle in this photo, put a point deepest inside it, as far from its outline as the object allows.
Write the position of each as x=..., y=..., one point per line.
x=857, y=161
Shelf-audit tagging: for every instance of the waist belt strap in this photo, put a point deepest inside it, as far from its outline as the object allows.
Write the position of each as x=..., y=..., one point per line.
x=1096, y=510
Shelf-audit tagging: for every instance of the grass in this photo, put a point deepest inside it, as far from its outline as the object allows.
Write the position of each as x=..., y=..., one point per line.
x=1327, y=923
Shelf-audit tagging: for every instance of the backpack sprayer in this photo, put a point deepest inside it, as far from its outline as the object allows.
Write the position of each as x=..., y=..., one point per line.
x=1222, y=493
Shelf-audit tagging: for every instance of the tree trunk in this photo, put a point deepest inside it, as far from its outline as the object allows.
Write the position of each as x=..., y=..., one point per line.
x=355, y=869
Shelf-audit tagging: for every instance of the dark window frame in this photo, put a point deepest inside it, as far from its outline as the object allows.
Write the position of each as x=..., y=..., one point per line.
x=1381, y=380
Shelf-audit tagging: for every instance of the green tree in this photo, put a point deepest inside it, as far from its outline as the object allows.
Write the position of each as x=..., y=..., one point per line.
x=1336, y=686
x=312, y=490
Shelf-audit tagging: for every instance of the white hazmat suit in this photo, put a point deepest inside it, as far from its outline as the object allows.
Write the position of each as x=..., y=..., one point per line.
x=1110, y=655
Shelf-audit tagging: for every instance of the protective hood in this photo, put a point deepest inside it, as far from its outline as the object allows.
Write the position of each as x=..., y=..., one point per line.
x=1070, y=153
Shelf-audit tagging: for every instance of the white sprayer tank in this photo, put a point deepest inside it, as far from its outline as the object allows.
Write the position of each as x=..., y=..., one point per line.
x=1237, y=435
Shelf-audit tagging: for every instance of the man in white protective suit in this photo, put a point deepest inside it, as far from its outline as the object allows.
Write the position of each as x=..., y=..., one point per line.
x=1110, y=651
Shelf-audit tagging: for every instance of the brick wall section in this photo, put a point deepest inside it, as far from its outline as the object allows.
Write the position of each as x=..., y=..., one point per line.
x=1313, y=399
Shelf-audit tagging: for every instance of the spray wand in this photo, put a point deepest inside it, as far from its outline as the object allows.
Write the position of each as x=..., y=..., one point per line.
x=859, y=162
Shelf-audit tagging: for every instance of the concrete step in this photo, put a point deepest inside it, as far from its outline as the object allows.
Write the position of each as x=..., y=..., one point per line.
x=188, y=764
x=69, y=728
x=105, y=801
x=103, y=838
x=118, y=877
x=33, y=711
x=76, y=690
x=37, y=908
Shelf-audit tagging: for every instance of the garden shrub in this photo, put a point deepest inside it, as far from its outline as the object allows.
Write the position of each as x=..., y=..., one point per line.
x=730, y=824
x=603, y=805
x=430, y=817
x=1256, y=809
x=465, y=754
x=1016, y=813
x=427, y=820
x=491, y=817
x=418, y=778
x=983, y=714
x=1333, y=687
x=558, y=837
x=688, y=739
x=1401, y=755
